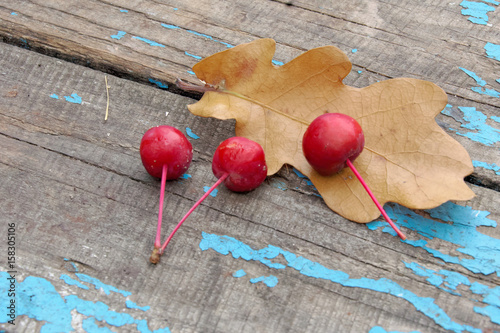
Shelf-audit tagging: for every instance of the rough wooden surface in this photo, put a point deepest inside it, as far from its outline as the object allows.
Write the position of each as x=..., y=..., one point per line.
x=85, y=209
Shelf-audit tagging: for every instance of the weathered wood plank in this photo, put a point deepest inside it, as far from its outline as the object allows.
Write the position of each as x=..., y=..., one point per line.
x=75, y=186
x=160, y=41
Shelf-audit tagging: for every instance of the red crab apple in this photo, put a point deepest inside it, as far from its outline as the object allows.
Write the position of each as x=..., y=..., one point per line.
x=239, y=163
x=166, y=153
x=334, y=140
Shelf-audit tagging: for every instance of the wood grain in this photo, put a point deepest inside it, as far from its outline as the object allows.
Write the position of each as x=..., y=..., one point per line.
x=74, y=184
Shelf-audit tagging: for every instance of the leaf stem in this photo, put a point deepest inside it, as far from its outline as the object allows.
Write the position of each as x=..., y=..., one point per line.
x=217, y=183
x=370, y=193
x=155, y=255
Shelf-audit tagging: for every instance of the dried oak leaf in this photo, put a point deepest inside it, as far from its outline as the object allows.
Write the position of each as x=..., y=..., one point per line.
x=407, y=159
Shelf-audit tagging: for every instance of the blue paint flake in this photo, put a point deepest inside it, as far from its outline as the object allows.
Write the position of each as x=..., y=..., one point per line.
x=74, y=98
x=476, y=122
x=354, y=50
x=186, y=176
x=492, y=51
x=13, y=14
x=225, y=245
x=119, y=35
x=191, y=72
x=192, y=55
x=279, y=184
x=159, y=84
x=477, y=11
x=485, y=91
x=301, y=175
x=123, y=10
x=54, y=96
x=482, y=252
x=379, y=329
x=491, y=311
x=132, y=305
x=38, y=299
x=170, y=26
x=239, y=273
x=89, y=325
x=270, y=281
x=72, y=282
x=190, y=133
x=196, y=33
x=489, y=166
x=473, y=75
x=213, y=193
x=148, y=41
x=99, y=285
x=449, y=281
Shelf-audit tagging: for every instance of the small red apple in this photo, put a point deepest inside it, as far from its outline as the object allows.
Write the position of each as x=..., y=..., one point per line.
x=330, y=140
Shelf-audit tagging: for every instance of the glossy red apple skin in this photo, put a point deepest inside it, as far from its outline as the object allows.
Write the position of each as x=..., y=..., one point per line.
x=165, y=145
x=330, y=140
x=244, y=161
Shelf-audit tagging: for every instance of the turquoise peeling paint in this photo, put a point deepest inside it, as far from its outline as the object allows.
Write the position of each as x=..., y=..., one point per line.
x=38, y=299
x=298, y=173
x=159, y=84
x=270, y=281
x=132, y=305
x=119, y=35
x=213, y=193
x=73, y=265
x=225, y=245
x=54, y=96
x=239, y=273
x=101, y=312
x=89, y=325
x=492, y=51
x=481, y=90
x=192, y=56
x=170, y=26
x=473, y=75
x=278, y=184
x=74, y=98
x=449, y=281
x=150, y=42
x=174, y=27
x=485, y=91
x=190, y=133
x=99, y=285
x=378, y=329
x=489, y=166
x=484, y=251
x=477, y=11
x=72, y=282
x=186, y=176
x=476, y=122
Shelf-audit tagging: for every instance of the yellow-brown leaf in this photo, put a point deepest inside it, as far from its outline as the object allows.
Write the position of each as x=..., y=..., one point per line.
x=408, y=158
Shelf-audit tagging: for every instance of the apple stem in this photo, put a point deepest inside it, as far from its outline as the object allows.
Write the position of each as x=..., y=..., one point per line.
x=155, y=256
x=214, y=186
x=380, y=208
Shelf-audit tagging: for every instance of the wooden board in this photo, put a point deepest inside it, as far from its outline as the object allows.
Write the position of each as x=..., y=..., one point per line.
x=85, y=210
